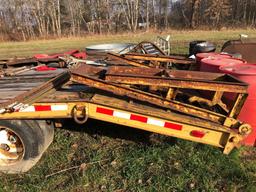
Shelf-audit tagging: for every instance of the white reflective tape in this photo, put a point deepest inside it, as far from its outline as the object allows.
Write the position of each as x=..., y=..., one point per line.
x=28, y=109
x=155, y=122
x=59, y=107
x=53, y=108
x=22, y=108
x=122, y=115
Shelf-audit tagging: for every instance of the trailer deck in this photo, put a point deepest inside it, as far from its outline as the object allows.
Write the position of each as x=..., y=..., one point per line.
x=24, y=85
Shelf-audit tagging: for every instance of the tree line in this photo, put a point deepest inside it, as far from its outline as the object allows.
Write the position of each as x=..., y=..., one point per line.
x=26, y=19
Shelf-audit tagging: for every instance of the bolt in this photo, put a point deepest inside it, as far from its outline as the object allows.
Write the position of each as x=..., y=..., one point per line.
x=245, y=129
x=234, y=140
x=5, y=147
x=12, y=139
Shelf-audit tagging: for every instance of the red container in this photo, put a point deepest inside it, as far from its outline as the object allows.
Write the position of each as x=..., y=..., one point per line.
x=246, y=73
x=212, y=64
x=201, y=56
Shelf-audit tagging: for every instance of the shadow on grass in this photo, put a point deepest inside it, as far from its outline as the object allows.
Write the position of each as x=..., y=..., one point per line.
x=96, y=129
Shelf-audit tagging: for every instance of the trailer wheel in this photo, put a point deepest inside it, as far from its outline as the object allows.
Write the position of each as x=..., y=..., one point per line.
x=22, y=143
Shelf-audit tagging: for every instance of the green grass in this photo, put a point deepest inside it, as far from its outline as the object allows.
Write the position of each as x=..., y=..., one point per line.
x=115, y=158
x=105, y=157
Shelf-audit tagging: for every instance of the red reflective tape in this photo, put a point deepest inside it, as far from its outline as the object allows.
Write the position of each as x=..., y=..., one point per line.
x=198, y=134
x=43, y=108
x=173, y=126
x=139, y=118
x=105, y=111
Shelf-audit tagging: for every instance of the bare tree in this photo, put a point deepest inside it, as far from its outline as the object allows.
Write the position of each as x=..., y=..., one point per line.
x=218, y=11
x=147, y=14
x=195, y=13
x=24, y=19
x=131, y=12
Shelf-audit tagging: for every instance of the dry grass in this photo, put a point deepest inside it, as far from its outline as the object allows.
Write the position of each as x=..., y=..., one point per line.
x=179, y=41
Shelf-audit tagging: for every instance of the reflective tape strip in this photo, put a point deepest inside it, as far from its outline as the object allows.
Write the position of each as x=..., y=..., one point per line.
x=122, y=115
x=59, y=107
x=105, y=111
x=28, y=109
x=156, y=122
x=173, y=126
x=139, y=118
x=41, y=108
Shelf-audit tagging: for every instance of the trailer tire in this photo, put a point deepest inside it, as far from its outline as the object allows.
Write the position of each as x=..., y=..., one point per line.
x=35, y=137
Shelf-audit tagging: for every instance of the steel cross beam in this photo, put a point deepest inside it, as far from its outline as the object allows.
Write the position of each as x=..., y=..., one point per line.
x=177, y=79
x=78, y=76
x=159, y=58
x=127, y=61
x=184, y=83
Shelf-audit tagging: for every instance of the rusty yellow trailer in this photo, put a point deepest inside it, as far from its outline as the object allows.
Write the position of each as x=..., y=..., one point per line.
x=63, y=104
x=119, y=111
x=26, y=127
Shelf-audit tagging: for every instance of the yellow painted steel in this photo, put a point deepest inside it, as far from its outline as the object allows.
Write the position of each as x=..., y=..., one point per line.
x=215, y=138
x=212, y=137
x=42, y=114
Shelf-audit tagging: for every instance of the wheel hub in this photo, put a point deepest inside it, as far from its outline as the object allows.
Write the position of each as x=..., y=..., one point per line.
x=11, y=147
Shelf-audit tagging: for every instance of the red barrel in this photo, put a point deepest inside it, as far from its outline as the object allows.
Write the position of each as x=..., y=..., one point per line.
x=212, y=64
x=201, y=56
x=246, y=73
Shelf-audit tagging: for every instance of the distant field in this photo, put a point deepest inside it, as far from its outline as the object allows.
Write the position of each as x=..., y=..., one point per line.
x=105, y=157
x=179, y=41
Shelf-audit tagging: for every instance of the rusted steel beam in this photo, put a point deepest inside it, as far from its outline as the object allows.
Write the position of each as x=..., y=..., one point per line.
x=174, y=79
x=127, y=61
x=238, y=105
x=217, y=97
x=79, y=77
x=134, y=70
x=183, y=74
x=170, y=94
x=91, y=70
x=175, y=83
x=159, y=58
